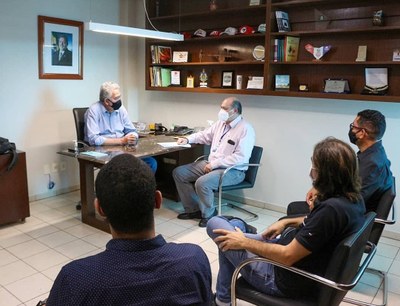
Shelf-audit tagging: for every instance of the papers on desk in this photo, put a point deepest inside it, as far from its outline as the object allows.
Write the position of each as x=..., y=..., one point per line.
x=173, y=144
x=94, y=153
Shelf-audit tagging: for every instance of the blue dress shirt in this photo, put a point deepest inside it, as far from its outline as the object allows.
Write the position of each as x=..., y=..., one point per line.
x=101, y=124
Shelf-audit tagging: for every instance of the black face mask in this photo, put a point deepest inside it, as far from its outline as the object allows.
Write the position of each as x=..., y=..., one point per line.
x=116, y=105
x=352, y=137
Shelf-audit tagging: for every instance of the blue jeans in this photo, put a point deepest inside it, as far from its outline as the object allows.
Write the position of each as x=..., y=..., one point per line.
x=196, y=188
x=260, y=275
x=151, y=162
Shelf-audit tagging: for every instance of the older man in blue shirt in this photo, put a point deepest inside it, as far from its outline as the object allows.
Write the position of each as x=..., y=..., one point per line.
x=108, y=123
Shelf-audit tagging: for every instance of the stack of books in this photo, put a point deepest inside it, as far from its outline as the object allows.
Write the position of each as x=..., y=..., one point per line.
x=287, y=49
x=160, y=76
x=160, y=54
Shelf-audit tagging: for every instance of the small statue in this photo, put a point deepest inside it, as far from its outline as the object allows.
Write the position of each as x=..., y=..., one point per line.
x=377, y=19
x=203, y=79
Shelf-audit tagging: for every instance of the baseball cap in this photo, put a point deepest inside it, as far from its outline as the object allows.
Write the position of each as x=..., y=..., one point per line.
x=229, y=31
x=261, y=28
x=246, y=30
x=200, y=33
x=186, y=35
x=215, y=33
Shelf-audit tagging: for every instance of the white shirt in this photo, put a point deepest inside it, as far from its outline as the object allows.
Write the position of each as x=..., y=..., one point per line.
x=230, y=148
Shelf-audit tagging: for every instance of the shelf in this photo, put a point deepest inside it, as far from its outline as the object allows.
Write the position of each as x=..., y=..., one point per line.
x=211, y=63
x=344, y=25
x=383, y=63
x=338, y=31
x=212, y=14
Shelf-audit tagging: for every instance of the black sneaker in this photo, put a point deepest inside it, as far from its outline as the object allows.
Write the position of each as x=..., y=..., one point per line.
x=249, y=228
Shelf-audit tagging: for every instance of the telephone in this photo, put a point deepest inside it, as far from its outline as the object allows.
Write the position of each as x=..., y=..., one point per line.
x=180, y=130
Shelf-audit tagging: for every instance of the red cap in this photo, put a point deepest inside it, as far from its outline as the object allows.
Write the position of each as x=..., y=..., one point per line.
x=246, y=30
x=215, y=33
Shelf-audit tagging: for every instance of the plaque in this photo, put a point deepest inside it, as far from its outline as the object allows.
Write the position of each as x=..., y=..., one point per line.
x=336, y=86
x=362, y=54
x=227, y=79
x=175, y=78
x=190, y=82
x=180, y=56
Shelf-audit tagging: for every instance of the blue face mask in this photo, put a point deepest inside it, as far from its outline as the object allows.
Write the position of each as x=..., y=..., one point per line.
x=116, y=105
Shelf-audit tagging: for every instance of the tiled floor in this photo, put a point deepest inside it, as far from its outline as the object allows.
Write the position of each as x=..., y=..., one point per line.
x=32, y=253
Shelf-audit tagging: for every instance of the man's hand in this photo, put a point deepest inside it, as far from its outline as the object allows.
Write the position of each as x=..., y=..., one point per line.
x=230, y=240
x=274, y=230
x=310, y=197
x=130, y=138
x=182, y=141
x=207, y=168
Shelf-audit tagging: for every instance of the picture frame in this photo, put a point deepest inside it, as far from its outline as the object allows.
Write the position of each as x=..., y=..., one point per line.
x=175, y=78
x=227, y=79
x=180, y=56
x=339, y=86
x=60, y=48
x=282, y=82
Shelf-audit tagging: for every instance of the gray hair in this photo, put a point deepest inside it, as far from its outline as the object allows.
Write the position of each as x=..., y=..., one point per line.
x=106, y=90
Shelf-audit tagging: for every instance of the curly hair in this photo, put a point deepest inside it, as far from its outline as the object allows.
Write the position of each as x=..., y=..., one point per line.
x=106, y=90
x=125, y=188
x=337, y=170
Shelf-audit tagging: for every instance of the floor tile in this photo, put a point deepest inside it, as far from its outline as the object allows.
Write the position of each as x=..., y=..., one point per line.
x=30, y=287
x=57, y=238
x=76, y=248
x=6, y=298
x=14, y=272
x=46, y=259
x=27, y=249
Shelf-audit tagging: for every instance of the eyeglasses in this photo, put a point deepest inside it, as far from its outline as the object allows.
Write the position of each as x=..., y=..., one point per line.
x=352, y=126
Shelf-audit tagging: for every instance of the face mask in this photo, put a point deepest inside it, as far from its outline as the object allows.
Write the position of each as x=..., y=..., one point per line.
x=223, y=115
x=116, y=105
x=352, y=137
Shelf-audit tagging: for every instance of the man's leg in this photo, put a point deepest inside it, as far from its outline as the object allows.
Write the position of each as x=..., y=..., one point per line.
x=184, y=177
x=151, y=162
x=259, y=275
x=208, y=183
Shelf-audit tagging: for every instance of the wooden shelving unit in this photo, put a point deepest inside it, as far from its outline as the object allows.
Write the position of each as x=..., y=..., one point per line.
x=343, y=24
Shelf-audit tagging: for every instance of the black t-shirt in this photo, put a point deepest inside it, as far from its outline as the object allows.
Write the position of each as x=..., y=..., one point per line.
x=329, y=223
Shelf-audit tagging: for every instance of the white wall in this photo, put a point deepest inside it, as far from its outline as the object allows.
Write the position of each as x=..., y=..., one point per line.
x=287, y=128
x=37, y=113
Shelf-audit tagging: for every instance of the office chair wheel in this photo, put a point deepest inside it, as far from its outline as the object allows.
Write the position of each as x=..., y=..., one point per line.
x=78, y=206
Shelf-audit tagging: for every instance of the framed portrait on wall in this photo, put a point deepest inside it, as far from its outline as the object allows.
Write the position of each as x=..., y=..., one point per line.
x=60, y=48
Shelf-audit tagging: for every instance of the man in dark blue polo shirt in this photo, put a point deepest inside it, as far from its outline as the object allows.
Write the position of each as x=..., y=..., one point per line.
x=137, y=267
x=366, y=132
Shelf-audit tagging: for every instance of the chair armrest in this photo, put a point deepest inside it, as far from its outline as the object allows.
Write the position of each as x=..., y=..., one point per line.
x=201, y=157
x=233, y=167
x=386, y=221
x=315, y=277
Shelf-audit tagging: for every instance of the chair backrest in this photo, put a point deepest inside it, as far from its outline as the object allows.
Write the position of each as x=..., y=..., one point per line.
x=255, y=158
x=345, y=261
x=382, y=212
x=79, y=116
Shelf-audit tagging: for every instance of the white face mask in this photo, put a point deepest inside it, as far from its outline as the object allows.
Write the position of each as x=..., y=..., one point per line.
x=223, y=115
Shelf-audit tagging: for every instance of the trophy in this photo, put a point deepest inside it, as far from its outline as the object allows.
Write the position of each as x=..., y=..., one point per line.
x=203, y=79
x=317, y=52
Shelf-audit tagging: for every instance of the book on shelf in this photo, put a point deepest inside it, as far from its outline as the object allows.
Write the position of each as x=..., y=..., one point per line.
x=160, y=54
x=160, y=76
x=282, y=21
x=291, y=47
x=287, y=49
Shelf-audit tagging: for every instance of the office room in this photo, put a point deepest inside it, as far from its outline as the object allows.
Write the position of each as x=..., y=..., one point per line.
x=37, y=117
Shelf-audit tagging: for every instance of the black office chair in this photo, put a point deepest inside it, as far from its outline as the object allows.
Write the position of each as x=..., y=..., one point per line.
x=248, y=182
x=79, y=117
x=342, y=274
x=386, y=203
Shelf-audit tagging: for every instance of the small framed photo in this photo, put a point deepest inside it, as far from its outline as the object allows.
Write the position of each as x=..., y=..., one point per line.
x=180, y=56
x=60, y=48
x=227, y=79
x=282, y=82
x=175, y=78
x=339, y=86
x=190, y=82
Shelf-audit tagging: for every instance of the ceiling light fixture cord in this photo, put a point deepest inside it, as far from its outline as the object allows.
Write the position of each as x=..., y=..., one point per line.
x=147, y=15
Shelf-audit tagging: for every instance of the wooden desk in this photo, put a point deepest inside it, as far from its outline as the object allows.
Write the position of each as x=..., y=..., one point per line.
x=167, y=160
